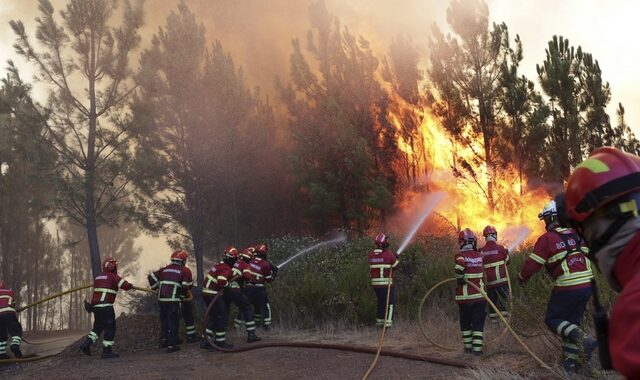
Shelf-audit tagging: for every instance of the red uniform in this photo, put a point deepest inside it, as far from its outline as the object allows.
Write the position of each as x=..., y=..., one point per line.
x=469, y=266
x=569, y=271
x=380, y=264
x=172, y=282
x=7, y=302
x=105, y=289
x=624, y=327
x=217, y=279
x=260, y=270
x=241, y=273
x=495, y=258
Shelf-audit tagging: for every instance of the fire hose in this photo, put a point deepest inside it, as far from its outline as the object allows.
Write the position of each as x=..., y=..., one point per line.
x=330, y=346
x=384, y=328
x=495, y=309
x=57, y=295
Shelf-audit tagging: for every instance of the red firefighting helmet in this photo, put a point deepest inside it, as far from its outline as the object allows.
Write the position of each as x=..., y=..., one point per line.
x=2, y=286
x=180, y=255
x=466, y=236
x=110, y=264
x=382, y=240
x=607, y=175
x=247, y=253
x=489, y=230
x=262, y=248
x=231, y=252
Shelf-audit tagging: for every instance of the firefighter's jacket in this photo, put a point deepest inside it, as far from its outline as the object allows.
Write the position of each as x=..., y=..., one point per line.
x=7, y=302
x=172, y=282
x=381, y=261
x=495, y=258
x=468, y=266
x=260, y=271
x=217, y=279
x=624, y=326
x=241, y=273
x=105, y=288
x=560, y=251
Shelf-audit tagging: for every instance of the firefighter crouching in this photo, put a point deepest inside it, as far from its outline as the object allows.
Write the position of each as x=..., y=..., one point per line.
x=217, y=279
x=601, y=202
x=105, y=289
x=173, y=282
x=471, y=303
x=261, y=273
x=9, y=323
x=495, y=258
x=236, y=295
x=381, y=263
x=561, y=252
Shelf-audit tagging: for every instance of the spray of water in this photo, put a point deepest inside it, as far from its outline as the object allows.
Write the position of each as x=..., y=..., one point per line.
x=515, y=236
x=430, y=203
x=342, y=236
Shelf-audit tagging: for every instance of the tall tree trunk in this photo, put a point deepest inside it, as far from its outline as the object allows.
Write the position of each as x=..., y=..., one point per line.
x=198, y=250
x=90, y=206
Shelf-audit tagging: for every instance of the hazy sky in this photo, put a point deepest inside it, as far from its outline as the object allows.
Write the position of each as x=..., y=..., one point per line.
x=607, y=29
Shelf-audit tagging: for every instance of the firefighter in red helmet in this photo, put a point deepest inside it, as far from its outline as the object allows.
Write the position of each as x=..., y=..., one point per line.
x=173, y=282
x=105, y=288
x=562, y=253
x=601, y=202
x=381, y=263
x=9, y=323
x=495, y=258
x=262, y=272
x=471, y=303
x=217, y=280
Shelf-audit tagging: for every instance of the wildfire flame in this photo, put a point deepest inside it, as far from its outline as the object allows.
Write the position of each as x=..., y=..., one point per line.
x=437, y=155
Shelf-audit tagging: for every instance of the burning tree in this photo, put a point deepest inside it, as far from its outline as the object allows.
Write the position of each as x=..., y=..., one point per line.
x=465, y=77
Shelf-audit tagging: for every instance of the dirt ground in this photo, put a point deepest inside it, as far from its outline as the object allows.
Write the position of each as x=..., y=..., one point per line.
x=136, y=342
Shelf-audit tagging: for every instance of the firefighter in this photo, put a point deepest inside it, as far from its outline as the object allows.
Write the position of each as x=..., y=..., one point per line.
x=217, y=279
x=9, y=323
x=105, y=289
x=246, y=255
x=471, y=304
x=495, y=258
x=601, y=202
x=186, y=307
x=173, y=282
x=261, y=273
x=236, y=295
x=381, y=263
x=562, y=253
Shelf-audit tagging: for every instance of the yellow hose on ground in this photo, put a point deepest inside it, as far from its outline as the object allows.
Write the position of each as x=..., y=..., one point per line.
x=495, y=308
x=384, y=329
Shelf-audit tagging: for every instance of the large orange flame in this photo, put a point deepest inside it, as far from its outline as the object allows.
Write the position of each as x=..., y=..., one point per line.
x=434, y=153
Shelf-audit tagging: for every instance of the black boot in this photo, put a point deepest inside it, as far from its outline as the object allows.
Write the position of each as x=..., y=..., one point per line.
x=4, y=356
x=192, y=338
x=204, y=343
x=266, y=327
x=163, y=343
x=252, y=337
x=15, y=348
x=225, y=345
x=171, y=349
x=107, y=353
x=86, y=346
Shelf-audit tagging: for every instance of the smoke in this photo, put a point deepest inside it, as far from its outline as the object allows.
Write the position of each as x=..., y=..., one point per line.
x=514, y=236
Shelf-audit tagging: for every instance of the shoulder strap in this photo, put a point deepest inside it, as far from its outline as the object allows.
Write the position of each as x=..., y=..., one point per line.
x=565, y=240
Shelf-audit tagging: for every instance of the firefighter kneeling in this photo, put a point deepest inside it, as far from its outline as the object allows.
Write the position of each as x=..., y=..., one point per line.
x=9, y=323
x=105, y=289
x=471, y=303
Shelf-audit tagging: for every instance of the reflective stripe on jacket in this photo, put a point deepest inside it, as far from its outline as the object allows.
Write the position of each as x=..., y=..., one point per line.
x=7, y=301
x=105, y=288
x=568, y=266
x=495, y=258
x=469, y=266
x=380, y=264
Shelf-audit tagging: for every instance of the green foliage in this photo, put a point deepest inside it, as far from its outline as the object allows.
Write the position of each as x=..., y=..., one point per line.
x=337, y=117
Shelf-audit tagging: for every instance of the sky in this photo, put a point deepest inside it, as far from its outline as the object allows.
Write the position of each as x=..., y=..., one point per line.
x=607, y=29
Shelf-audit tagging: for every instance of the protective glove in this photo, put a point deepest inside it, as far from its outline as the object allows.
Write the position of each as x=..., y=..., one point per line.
x=88, y=307
x=521, y=280
x=274, y=271
x=460, y=280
